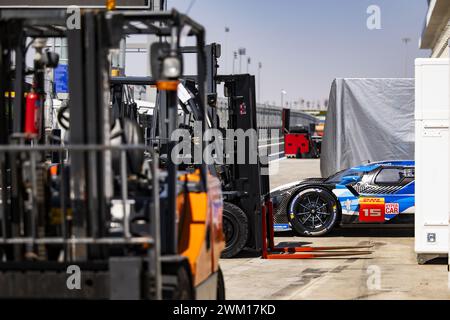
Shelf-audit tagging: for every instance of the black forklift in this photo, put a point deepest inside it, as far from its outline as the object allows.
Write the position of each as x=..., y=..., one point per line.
x=93, y=215
x=245, y=184
x=244, y=187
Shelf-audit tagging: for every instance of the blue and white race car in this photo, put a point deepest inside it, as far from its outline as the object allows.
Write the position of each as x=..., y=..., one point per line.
x=373, y=193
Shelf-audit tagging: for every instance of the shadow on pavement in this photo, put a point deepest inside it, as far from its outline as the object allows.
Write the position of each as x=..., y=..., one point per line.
x=359, y=232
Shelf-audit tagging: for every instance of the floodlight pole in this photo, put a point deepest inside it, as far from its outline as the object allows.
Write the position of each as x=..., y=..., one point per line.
x=242, y=52
x=283, y=93
x=235, y=54
x=227, y=32
x=406, y=41
x=259, y=81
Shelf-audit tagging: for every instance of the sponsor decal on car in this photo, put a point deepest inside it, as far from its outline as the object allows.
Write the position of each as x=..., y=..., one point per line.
x=348, y=204
x=282, y=227
x=372, y=209
x=392, y=208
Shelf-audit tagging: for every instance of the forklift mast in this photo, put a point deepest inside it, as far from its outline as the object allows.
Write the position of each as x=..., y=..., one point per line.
x=247, y=187
x=243, y=184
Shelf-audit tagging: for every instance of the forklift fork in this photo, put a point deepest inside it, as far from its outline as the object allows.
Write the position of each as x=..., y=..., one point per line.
x=270, y=251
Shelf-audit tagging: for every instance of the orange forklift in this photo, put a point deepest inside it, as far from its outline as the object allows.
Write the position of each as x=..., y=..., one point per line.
x=98, y=213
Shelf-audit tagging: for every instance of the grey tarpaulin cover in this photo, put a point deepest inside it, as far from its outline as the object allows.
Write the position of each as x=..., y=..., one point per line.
x=368, y=119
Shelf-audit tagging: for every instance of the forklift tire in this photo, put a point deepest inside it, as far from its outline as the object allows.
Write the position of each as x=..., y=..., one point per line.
x=235, y=225
x=220, y=286
x=179, y=286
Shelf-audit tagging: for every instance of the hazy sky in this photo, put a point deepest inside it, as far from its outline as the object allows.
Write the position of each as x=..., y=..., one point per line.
x=303, y=45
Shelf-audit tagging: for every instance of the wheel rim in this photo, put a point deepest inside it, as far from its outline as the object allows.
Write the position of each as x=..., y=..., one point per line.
x=228, y=230
x=313, y=211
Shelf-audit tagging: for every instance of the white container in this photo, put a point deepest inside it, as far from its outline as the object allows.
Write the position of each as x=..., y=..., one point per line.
x=432, y=159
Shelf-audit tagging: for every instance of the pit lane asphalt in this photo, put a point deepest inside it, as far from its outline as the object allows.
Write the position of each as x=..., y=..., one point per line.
x=390, y=272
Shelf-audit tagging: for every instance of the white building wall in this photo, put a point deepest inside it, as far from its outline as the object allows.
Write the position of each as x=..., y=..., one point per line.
x=440, y=50
x=437, y=28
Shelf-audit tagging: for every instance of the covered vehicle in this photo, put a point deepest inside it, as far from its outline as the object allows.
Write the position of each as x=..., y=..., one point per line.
x=368, y=119
x=373, y=193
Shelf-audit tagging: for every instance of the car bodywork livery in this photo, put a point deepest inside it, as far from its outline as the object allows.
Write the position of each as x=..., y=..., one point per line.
x=372, y=193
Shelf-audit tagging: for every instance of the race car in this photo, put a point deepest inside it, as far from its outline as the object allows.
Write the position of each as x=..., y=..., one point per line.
x=373, y=193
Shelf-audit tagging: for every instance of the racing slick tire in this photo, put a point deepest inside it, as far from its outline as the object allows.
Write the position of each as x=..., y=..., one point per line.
x=235, y=226
x=313, y=212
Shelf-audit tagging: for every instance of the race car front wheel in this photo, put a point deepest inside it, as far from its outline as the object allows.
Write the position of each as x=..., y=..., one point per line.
x=313, y=212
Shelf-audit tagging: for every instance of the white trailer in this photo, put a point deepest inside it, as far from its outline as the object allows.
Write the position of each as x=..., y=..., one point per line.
x=432, y=159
